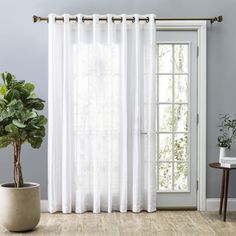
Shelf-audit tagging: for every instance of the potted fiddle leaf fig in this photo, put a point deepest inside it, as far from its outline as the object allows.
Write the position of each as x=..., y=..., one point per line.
x=20, y=123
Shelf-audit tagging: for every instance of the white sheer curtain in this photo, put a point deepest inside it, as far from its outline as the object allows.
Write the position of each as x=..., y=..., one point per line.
x=102, y=115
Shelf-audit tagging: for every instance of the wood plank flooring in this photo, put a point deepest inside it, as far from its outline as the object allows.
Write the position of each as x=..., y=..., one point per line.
x=163, y=223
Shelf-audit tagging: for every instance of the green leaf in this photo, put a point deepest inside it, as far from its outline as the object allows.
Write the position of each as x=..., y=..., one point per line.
x=24, y=93
x=35, y=100
x=35, y=126
x=30, y=115
x=13, y=131
x=11, y=128
x=12, y=103
x=29, y=87
x=35, y=142
x=18, y=107
x=18, y=123
x=23, y=136
x=5, y=141
x=20, y=81
x=42, y=121
x=39, y=106
x=7, y=78
x=6, y=114
x=2, y=103
x=12, y=94
x=3, y=90
x=35, y=103
x=37, y=133
x=32, y=95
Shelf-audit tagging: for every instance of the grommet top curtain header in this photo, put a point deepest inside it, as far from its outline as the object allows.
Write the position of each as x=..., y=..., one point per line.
x=103, y=18
x=102, y=114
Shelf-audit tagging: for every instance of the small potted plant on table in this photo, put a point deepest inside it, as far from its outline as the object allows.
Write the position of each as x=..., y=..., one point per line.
x=20, y=123
x=227, y=128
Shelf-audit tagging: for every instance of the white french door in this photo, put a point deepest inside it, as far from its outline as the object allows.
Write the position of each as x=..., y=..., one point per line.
x=177, y=119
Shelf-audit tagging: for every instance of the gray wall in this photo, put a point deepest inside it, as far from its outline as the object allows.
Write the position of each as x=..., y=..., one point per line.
x=23, y=51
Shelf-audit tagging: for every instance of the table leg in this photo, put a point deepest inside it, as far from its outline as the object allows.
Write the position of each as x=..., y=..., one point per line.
x=222, y=191
x=226, y=192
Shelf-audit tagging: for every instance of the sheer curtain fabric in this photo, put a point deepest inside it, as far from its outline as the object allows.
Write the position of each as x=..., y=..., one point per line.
x=102, y=115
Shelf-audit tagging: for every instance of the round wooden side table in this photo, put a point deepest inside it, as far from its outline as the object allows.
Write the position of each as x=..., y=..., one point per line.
x=224, y=186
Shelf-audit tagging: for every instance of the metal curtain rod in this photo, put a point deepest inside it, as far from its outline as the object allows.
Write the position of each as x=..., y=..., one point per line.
x=211, y=19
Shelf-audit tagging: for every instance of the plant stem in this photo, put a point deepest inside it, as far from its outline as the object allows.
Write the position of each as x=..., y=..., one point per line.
x=18, y=177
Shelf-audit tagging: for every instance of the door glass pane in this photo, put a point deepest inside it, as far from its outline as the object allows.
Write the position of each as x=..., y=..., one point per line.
x=165, y=58
x=180, y=147
x=173, y=121
x=165, y=176
x=181, y=176
x=165, y=147
x=165, y=118
x=181, y=58
x=181, y=88
x=165, y=88
x=180, y=120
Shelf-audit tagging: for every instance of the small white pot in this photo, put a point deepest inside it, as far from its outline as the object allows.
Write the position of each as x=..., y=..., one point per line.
x=223, y=153
x=19, y=207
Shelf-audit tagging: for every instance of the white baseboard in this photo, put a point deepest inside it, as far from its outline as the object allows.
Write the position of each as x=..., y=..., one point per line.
x=44, y=205
x=213, y=204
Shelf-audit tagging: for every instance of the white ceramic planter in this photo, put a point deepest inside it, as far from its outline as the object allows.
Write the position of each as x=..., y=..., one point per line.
x=19, y=207
x=223, y=153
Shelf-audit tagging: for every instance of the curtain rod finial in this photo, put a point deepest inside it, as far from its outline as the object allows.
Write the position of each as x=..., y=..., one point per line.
x=217, y=19
x=36, y=19
x=220, y=18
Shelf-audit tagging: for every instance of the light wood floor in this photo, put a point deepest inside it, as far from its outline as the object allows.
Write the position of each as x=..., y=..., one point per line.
x=159, y=223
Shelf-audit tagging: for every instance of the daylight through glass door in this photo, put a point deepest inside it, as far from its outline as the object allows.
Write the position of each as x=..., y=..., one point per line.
x=173, y=164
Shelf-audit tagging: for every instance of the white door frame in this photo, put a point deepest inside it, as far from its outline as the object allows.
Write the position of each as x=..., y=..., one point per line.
x=200, y=27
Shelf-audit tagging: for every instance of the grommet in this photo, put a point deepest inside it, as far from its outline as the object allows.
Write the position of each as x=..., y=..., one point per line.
x=147, y=19
x=133, y=19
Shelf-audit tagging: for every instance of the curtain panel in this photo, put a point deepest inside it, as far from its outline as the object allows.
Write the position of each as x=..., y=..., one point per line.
x=102, y=115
